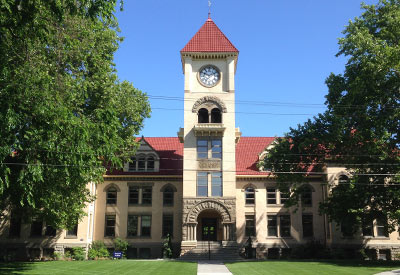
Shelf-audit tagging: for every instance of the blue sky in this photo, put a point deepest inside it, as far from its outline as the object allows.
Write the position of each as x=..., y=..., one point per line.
x=287, y=50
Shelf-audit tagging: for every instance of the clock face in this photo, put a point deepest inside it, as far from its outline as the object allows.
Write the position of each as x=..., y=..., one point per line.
x=209, y=76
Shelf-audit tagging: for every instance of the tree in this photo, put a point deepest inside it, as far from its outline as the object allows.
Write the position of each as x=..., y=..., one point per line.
x=360, y=128
x=64, y=114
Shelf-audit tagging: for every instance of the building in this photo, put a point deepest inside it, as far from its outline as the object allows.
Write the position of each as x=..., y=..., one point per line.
x=203, y=185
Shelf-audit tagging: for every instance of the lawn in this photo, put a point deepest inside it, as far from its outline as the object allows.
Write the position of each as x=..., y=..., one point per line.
x=309, y=267
x=118, y=267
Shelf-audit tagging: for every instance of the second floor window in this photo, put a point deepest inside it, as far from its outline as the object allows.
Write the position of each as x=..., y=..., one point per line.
x=202, y=184
x=250, y=226
x=168, y=196
x=112, y=195
x=271, y=196
x=143, y=163
x=216, y=184
x=140, y=195
x=209, y=148
x=249, y=194
x=110, y=226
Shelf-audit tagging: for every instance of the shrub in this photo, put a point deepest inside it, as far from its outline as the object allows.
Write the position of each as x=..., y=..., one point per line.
x=121, y=245
x=78, y=253
x=98, y=250
x=310, y=250
x=167, y=247
x=57, y=256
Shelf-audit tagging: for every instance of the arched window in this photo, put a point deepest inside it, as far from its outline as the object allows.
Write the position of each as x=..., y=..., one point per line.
x=306, y=195
x=141, y=163
x=249, y=194
x=112, y=195
x=132, y=164
x=216, y=116
x=150, y=163
x=343, y=179
x=203, y=116
x=168, y=196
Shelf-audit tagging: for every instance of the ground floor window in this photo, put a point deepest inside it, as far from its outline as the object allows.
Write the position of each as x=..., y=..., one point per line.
x=72, y=232
x=250, y=226
x=285, y=225
x=146, y=226
x=168, y=225
x=139, y=225
x=110, y=226
x=272, y=226
x=307, y=222
x=36, y=227
x=133, y=221
x=278, y=226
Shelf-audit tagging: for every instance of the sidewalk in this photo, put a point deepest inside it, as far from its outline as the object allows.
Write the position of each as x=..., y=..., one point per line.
x=393, y=272
x=212, y=267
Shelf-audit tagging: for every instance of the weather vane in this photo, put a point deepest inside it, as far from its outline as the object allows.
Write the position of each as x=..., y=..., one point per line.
x=209, y=8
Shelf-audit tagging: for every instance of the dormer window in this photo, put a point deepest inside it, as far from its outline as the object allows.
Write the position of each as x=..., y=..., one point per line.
x=143, y=163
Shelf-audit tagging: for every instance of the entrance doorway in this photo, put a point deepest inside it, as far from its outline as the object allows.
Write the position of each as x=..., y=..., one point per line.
x=209, y=229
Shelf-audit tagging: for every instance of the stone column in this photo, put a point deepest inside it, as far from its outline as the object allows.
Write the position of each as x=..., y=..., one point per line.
x=228, y=234
x=191, y=231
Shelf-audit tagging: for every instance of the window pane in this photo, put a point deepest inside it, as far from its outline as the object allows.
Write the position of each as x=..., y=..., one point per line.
x=202, y=148
x=271, y=196
x=167, y=225
x=272, y=226
x=306, y=196
x=146, y=226
x=381, y=226
x=146, y=195
x=110, y=226
x=50, y=231
x=111, y=195
x=216, y=184
x=285, y=226
x=133, y=225
x=168, y=197
x=216, y=148
x=142, y=164
x=250, y=226
x=249, y=195
x=15, y=226
x=202, y=184
x=284, y=196
x=308, y=230
x=132, y=165
x=73, y=232
x=133, y=195
x=150, y=163
x=36, y=228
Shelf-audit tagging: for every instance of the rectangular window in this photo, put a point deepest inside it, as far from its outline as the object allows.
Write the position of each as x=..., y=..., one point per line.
x=249, y=195
x=132, y=165
x=272, y=226
x=110, y=226
x=202, y=184
x=250, y=226
x=168, y=197
x=284, y=225
x=381, y=227
x=367, y=226
x=216, y=148
x=73, y=232
x=50, y=231
x=146, y=226
x=15, y=226
x=146, y=195
x=36, y=227
x=167, y=225
x=202, y=149
x=133, y=221
x=271, y=196
x=284, y=196
x=133, y=195
x=216, y=184
x=308, y=230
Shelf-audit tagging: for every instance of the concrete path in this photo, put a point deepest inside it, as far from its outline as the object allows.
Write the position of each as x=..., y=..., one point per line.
x=212, y=267
x=393, y=272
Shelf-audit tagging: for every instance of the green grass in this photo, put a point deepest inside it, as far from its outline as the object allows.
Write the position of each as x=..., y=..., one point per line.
x=311, y=267
x=118, y=267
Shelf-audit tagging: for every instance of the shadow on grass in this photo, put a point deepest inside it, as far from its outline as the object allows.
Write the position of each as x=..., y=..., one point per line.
x=14, y=267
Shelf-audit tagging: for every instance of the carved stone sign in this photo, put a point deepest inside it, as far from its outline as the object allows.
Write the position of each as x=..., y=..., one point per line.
x=209, y=164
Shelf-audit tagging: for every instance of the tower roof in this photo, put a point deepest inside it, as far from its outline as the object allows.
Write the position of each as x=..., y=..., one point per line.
x=209, y=39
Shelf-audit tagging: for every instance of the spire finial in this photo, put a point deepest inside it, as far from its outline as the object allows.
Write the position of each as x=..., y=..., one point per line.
x=209, y=9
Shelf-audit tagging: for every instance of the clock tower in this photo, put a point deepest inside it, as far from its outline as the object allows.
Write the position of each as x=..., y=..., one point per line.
x=209, y=135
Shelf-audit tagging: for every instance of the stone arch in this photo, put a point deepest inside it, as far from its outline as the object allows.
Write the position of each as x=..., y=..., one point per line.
x=208, y=205
x=168, y=185
x=111, y=185
x=212, y=100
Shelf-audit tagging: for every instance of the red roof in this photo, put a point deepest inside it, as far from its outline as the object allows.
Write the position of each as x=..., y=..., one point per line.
x=170, y=151
x=247, y=151
x=209, y=39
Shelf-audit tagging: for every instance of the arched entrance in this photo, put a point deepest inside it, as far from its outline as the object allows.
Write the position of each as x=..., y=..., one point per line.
x=209, y=226
x=212, y=216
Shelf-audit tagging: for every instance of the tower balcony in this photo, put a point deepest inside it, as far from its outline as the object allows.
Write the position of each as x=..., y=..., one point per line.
x=209, y=129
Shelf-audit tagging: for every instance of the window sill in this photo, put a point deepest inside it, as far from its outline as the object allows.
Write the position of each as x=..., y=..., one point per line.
x=278, y=238
x=71, y=237
x=138, y=237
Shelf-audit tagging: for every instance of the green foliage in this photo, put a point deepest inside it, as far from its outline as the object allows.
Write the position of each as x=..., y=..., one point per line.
x=78, y=253
x=57, y=256
x=98, y=250
x=63, y=111
x=167, y=247
x=310, y=250
x=121, y=245
x=359, y=130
